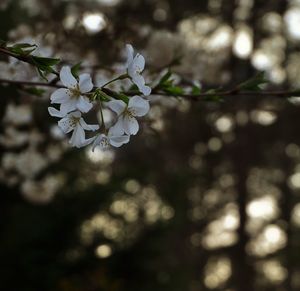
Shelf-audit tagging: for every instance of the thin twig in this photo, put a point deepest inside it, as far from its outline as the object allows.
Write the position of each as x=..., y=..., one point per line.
x=29, y=83
x=233, y=92
x=24, y=58
x=197, y=97
x=280, y=94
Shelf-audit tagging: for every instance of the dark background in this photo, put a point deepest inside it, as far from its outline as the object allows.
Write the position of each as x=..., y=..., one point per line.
x=205, y=197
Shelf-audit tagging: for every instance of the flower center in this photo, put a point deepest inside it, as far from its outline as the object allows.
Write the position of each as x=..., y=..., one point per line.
x=104, y=143
x=138, y=70
x=73, y=121
x=130, y=112
x=75, y=92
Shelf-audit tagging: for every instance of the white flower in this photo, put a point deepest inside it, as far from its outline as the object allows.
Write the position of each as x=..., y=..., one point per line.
x=74, y=122
x=127, y=122
x=135, y=66
x=71, y=98
x=114, y=137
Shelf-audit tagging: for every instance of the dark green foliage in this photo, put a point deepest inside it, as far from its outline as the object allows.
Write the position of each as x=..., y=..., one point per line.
x=255, y=83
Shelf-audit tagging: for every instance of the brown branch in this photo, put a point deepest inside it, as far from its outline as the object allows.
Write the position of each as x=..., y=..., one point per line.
x=24, y=58
x=157, y=92
x=202, y=96
x=29, y=83
x=198, y=97
x=285, y=94
x=192, y=97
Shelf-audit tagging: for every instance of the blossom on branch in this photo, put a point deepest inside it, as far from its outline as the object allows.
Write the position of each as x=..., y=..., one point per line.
x=74, y=122
x=114, y=137
x=135, y=66
x=73, y=102
x=72, y=98
x=137, y=107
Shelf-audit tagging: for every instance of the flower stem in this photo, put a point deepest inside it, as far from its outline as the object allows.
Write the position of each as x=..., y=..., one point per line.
x=191, y=97
x=24, y=58
x=121, y=77
x=102, y=117
x=29, y=83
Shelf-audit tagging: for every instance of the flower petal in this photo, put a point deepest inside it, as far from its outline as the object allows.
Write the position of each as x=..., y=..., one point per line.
x=146, y=90
x=118, y=141
x=102, y=141
x=78, y=137
x=56, y=113
x=67, y=78
x=117, y=106
x=84, y=104
x=86, y=126
x=138, y=106
x=139, y=63
x=88, y=141
x=75, y=114
x=67, y=124
x=68, y=106
x=131, y=125
x=140, y=82
x=118, y=128
x=130, y=52
x=85, y=83
x=96, y=142
x=61, y=95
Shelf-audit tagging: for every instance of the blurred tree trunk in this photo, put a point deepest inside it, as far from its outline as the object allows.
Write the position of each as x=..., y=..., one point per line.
x=286, y=215
x=287, y=203
x=243, y=271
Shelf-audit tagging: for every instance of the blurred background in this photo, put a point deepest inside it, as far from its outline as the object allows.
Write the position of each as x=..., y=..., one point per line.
x=205, y=197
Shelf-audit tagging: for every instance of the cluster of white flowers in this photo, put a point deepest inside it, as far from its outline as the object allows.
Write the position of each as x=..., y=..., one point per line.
x=76, y=99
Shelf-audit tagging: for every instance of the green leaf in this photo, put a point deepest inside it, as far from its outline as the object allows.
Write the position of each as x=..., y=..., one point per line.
x=165, y=77
x=75, y=70
x=42, y=74
x=174, y=90
x=22, y=48
x=123, y=97
x=46, y=62
x=164, y=81
x=254, y=84
x=110, y=93
x=213, y=96
x=24, y=45
x=102, y=96
x=133, y=87
x=166, y=84
x=44, y=65
x=196, y=90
